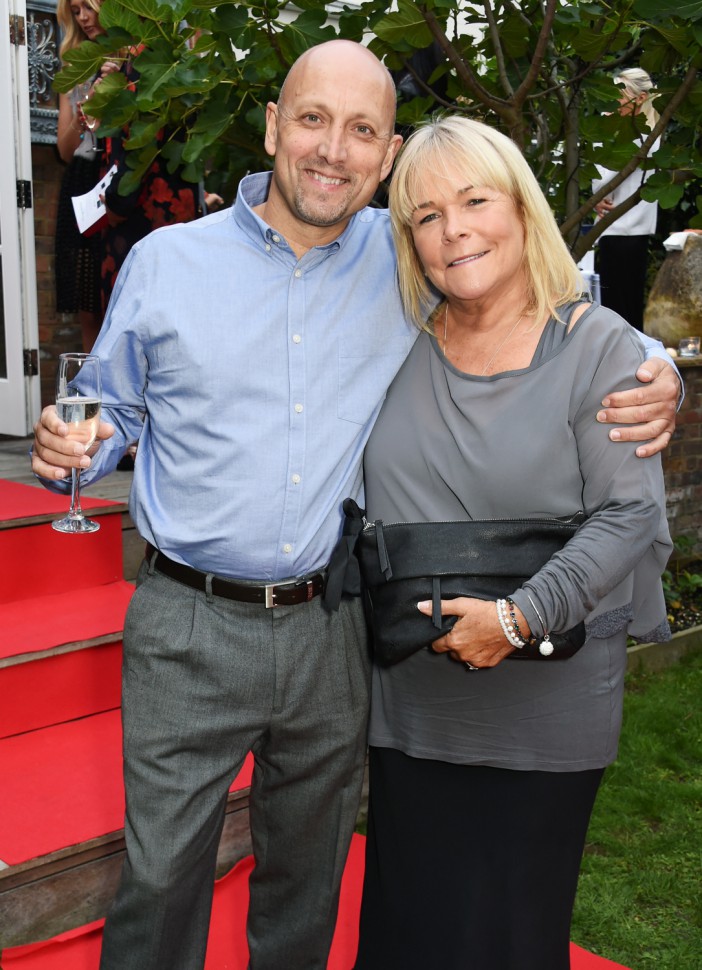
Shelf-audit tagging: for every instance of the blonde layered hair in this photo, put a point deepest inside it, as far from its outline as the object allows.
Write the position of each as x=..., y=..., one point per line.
x=72, y=34
x=484, y=158
x=638, y=85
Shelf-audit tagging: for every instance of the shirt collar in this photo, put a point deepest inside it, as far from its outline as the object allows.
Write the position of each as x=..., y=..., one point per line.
x=253, y=190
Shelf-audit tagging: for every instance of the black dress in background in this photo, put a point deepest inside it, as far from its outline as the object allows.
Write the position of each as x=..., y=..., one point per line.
x=77, y=257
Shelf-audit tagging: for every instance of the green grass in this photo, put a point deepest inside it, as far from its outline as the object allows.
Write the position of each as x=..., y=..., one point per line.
x=640, y=898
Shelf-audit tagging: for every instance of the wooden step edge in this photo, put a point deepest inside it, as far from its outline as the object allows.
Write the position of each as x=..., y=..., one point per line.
x=59, y=649
x=26, y=873
x=44, y=517
x=71, y=888
x=34, y=870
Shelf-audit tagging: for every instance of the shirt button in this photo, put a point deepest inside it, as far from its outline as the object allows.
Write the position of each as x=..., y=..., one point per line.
x=268, y=247
x=287, y=547
x=296, y=479
x=298, y=408
x=298, y=273
x=296, y=338
x=276, y=239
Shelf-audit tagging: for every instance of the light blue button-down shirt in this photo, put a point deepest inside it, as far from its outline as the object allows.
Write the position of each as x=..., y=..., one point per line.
x=252, y=380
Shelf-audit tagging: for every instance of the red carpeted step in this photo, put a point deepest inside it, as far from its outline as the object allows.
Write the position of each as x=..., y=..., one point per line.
x=60, y=656
x=35, y=560
x=62, y=607
x=62, y=785
x=60, y=687
x=227, y=949
x=56, y=619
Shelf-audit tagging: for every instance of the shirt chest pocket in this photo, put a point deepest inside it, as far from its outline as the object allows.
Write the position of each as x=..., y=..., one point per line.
x=364, y=375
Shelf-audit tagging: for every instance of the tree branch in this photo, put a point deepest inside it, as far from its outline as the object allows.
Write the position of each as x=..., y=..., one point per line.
x=538, y=55
x=519, y=12
x=464, y=72
x=497, y=47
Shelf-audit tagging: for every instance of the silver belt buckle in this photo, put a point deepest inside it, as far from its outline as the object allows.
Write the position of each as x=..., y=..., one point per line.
x=270, y=594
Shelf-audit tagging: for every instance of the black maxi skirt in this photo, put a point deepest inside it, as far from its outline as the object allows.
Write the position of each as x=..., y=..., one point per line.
x=471, y=867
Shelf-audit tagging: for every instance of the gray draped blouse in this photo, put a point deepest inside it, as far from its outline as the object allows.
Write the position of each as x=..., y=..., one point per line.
x=449, y=445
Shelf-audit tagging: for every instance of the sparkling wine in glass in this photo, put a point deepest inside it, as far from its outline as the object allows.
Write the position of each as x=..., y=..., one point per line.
x=78, y=398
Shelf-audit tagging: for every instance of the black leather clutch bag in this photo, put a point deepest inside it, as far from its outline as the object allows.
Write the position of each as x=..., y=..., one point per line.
x=403, y=563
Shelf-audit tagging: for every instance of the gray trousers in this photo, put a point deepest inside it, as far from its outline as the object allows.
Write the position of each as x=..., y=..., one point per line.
x=205, y=680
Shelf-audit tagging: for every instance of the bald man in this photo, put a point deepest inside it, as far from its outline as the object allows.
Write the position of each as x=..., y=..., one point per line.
x=249, y=353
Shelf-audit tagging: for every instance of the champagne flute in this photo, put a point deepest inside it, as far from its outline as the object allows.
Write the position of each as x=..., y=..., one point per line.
x=78, y=399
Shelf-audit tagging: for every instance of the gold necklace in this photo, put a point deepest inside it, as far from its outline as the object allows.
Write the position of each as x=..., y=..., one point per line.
x=484, y=370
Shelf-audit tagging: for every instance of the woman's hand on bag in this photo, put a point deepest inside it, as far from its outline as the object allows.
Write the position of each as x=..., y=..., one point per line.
x=477, y=636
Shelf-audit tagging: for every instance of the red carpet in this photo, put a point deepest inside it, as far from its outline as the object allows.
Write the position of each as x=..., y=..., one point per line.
x=43, y=783
x=43, y=608
x=57, y=619
x=80, y=949
x=62, y=688
x=46, y=774
x=25, y=501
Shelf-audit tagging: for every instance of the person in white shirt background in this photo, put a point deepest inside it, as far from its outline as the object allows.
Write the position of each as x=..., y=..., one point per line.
x=623, y=246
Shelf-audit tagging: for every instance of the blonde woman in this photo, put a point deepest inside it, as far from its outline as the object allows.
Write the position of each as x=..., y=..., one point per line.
x=623, y=246
x=77, y=258
x=484, y=768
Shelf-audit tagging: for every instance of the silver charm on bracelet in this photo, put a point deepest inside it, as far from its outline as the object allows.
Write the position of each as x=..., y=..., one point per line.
x=546, y=648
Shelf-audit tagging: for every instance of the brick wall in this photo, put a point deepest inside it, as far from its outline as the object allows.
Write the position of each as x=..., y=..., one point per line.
x=682, y=462
x=57, y=333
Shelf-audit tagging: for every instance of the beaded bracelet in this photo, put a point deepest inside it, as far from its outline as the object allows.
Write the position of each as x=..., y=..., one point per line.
x=515, y=623
x=507, y=628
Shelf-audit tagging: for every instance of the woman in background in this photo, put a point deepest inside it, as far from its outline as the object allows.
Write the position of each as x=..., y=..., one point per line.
x=77, y=257
x=623, y=246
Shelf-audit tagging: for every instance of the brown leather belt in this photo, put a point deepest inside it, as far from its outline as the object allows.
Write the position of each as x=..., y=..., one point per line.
x=273, y=594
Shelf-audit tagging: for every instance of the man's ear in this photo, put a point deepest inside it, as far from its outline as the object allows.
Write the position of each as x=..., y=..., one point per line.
x=271, y=139
x=394, y=146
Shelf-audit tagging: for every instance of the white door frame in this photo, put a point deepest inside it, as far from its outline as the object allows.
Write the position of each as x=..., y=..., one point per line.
x=20, y=397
